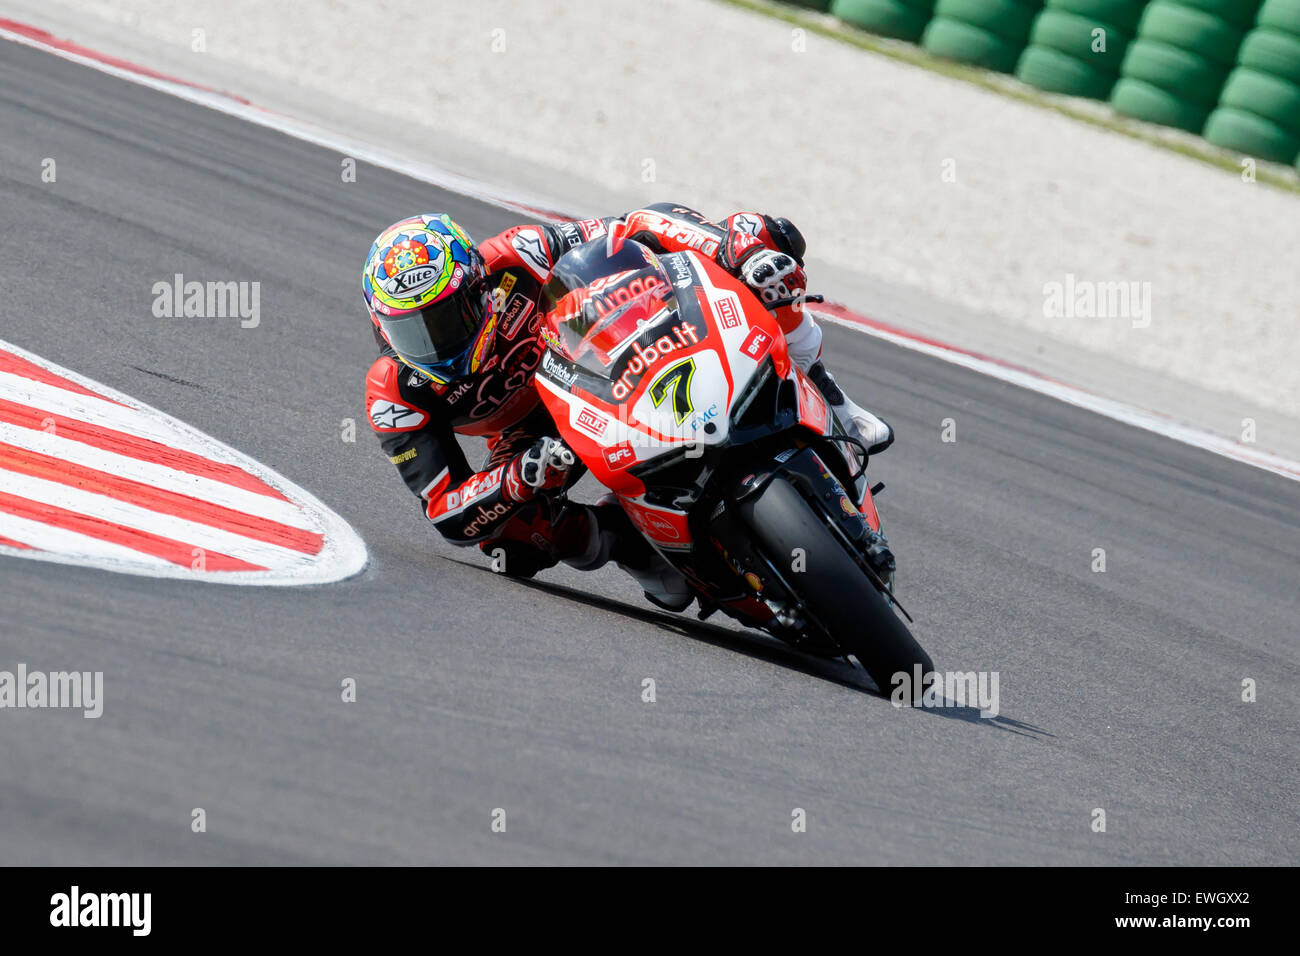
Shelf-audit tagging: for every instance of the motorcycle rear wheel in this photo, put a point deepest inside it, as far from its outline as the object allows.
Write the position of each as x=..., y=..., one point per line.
x=834, y=588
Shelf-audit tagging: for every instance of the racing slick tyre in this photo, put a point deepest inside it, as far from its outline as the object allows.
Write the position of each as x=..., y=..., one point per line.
x=834, y=589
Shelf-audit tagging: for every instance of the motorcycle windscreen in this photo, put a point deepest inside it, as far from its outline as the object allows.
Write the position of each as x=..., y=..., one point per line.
x=597, y=306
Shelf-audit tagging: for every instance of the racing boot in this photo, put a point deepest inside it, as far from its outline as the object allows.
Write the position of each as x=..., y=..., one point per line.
x=661, y=583
x=615, y=538
x=874, y=433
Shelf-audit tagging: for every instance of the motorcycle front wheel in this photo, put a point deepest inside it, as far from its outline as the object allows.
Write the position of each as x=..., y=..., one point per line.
x=834, y=589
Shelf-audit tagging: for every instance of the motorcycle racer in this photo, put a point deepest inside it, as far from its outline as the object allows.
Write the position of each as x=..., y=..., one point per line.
x=457, y=325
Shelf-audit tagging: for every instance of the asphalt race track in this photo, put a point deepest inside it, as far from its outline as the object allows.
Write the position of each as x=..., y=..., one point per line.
x=1118, y=690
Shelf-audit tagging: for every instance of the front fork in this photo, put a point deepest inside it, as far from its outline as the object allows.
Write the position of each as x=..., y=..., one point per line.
x=813, y=479
x=805, y=469
x=877, y=551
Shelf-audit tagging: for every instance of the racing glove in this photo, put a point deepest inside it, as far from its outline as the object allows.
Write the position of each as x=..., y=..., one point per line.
x=541, y=467
x=774, y=275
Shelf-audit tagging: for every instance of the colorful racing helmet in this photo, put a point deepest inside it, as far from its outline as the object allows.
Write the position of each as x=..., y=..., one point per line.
x=427, y=291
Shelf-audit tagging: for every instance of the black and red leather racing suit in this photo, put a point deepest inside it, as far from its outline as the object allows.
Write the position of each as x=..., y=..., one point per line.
x=418, y=420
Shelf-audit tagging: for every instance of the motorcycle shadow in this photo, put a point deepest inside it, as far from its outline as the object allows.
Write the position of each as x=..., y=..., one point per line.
x=749, y=643
x=761, y=647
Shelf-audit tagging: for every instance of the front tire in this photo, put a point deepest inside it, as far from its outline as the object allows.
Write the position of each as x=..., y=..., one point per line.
x=835, y=590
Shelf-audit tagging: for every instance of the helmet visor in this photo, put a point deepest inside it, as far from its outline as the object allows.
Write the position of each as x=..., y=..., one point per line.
x=439, y=332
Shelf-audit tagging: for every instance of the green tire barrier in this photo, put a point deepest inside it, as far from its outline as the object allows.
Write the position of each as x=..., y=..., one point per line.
x=961, y=41
x=1146, y=102
x=1193, y=78
x=1067, y=54
x=1059, y=72
x=1239, y=13
x=1265, y=95
x=988, y=33
x=1251, y=134
x=1228, y=67
x=1009, y=19
x=1202, y=33
x=1174, y=71
x=1073, y=34
x=1272, y=51
x=1123, y=13
x=1281, y=15
x=1259, y=107
x=904, y=19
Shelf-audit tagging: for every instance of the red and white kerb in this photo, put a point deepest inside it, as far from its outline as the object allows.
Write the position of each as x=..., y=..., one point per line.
x=91, y=477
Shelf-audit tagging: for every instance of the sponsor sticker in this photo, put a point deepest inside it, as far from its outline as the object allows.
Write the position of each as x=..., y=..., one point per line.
x=529, y=247
x=682, y=336
x=620, y=455
x=394, y=416
x=681, y=271
x=657, y=527
x=591, y=422
x=562, y=372
x=728, y=313
x=409, y=283
x=756, y=344
x=473, y=489
x=517, y=309
x=484, y=341
x=485, y=518
x=571, y=233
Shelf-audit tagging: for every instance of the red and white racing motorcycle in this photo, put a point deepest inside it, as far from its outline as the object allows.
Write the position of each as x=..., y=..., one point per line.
x=671, y=382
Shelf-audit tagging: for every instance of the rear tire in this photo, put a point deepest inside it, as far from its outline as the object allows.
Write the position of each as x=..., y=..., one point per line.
x=834, y=589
